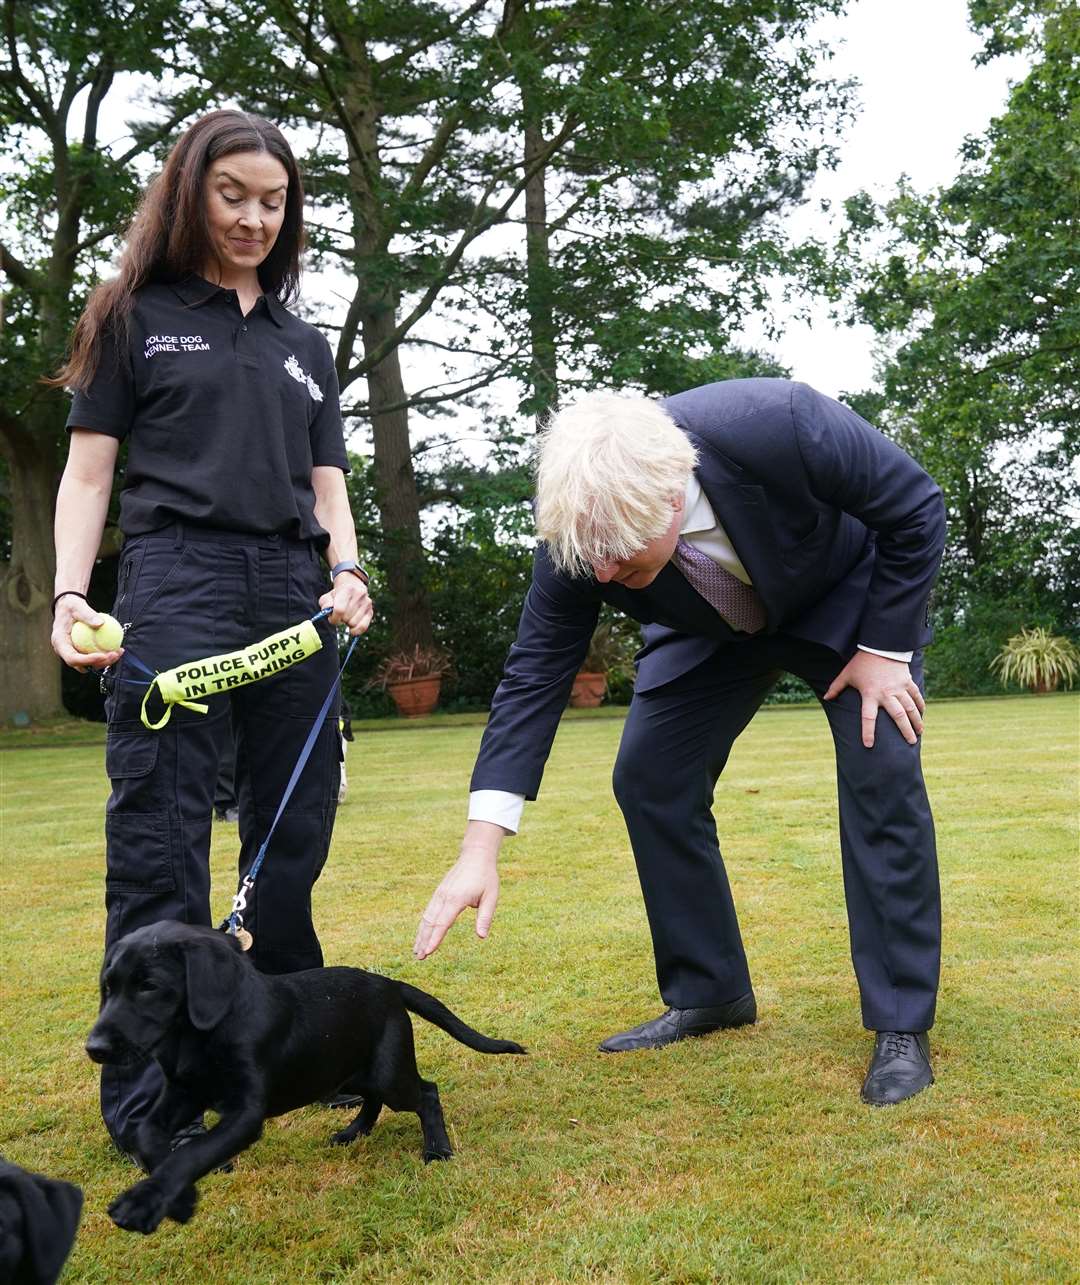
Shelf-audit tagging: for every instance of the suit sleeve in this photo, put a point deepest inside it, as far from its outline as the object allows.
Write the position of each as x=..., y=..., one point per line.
x=556, y=623
x=854, y=467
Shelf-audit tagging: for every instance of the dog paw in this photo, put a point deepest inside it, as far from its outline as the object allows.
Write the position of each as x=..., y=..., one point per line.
x=348, y=1135
x=440, y=1154
x=182, y=1206
x=141, y=1208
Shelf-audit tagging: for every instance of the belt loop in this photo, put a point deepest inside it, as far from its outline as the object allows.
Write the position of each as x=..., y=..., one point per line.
x=178, y=535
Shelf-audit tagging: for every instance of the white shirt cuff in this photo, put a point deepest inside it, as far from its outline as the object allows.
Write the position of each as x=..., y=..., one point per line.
x=498, y=806
x=905, y=656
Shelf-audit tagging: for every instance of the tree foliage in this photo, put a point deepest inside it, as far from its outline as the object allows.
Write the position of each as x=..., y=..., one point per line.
x=979, y=292
x=658, y=142
x=665, y=140
x=68, y=189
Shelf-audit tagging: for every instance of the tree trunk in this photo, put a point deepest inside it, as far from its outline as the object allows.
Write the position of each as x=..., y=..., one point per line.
x=29, y=669
x=374, y=310
x=543, y=370
x=399, y=504
x=974, y=517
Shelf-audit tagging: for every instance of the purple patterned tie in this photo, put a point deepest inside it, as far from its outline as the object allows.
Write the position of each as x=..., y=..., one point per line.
x=738, y=603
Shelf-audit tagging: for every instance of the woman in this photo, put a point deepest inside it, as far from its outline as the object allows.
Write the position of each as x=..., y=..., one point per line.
x=233, y=495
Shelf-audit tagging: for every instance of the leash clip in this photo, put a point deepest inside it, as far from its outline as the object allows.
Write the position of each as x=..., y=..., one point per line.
x=239, y=905
x=234, y=925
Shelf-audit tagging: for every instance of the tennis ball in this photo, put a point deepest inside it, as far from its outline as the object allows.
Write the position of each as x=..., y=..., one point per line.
x=108, y=636
x=82, y=637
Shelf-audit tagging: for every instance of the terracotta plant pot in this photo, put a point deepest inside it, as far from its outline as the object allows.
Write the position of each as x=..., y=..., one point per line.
x=415, y=697
x=588, y=690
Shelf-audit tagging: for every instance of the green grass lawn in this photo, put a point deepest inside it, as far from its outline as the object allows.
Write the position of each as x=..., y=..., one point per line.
x=744, y=1156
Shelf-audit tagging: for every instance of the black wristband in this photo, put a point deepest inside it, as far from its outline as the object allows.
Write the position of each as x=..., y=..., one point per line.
x=68, y=593
x=349, y=565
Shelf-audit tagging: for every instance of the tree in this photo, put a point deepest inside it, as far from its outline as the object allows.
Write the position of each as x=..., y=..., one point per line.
x=979, y=289
x=437, y=125
x=67, y=194
x=647, y=145
x=403, y=88
x=663, y=226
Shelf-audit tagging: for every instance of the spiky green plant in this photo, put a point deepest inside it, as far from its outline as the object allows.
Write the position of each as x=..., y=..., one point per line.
x=1037, y=660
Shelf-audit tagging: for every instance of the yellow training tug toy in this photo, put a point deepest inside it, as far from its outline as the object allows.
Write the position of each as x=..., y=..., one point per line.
x=216, y=674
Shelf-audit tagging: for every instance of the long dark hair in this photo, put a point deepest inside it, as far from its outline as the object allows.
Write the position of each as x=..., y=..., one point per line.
x=168, y=238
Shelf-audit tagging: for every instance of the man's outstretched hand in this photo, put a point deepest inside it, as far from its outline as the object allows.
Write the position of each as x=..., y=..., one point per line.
x=473, y=880
x=883, y=684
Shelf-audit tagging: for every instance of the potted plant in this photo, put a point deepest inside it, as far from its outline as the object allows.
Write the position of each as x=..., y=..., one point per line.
x=1037, y=660
x=413, y=679
x=607, y=654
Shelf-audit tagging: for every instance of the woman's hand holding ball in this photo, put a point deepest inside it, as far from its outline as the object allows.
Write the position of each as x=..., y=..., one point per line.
x=108, y=636
x=84, y=638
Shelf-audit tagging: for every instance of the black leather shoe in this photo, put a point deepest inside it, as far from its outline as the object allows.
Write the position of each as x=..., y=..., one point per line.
x=342, y=1101
x=132, y=1157
x=187, y=1134
x=681, y=1023
x=899, y=1068
x=193, y=1130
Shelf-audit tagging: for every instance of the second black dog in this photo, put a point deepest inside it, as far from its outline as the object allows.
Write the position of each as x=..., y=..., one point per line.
x=250, y=1046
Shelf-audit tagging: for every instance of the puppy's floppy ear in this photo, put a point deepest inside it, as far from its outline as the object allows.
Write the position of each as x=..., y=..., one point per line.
x=40, y=1217
x=212, y=974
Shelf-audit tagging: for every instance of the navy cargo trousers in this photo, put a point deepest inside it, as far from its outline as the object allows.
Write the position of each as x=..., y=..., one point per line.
x=187, y=592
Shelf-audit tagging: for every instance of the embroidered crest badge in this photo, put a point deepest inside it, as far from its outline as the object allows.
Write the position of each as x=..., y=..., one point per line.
x=302, y=377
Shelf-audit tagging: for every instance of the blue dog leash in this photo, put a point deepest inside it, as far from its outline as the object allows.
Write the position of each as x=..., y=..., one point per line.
x=234, y=925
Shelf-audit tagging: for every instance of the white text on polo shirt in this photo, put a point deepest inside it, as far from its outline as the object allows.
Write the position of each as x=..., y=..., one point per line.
x=302, y=377
x=174, y=343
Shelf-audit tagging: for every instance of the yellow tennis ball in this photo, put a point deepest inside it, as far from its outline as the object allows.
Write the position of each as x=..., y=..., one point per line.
x=108, y=636
x=82, y=637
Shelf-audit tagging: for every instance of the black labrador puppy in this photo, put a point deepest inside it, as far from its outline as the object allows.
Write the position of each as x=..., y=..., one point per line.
x=251, y=1046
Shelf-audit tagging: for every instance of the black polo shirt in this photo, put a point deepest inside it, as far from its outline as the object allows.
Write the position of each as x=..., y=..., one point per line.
x=226, y=415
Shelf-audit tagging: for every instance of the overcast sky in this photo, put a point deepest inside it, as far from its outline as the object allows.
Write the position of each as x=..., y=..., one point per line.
x=921, y=95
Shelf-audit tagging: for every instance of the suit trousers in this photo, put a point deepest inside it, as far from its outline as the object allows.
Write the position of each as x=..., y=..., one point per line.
x=190, y=593
x=674, y=746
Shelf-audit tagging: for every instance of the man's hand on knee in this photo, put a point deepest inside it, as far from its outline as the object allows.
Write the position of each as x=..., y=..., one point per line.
x=473, y=880
x=883, y=684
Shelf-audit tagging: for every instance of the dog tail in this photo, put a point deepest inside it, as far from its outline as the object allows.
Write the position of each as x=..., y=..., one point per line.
x=432, y=1010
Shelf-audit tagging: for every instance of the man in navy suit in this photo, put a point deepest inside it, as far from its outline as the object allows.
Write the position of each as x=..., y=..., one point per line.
x=754, y=527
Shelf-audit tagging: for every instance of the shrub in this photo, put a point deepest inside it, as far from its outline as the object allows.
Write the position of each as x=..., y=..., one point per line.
x=403, y=666
x=1037, y=660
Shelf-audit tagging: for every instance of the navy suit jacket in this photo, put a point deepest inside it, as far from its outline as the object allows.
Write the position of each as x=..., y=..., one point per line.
x=840, y=531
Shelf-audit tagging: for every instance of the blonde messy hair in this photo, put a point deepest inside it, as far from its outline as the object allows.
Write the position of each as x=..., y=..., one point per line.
x=608, y=468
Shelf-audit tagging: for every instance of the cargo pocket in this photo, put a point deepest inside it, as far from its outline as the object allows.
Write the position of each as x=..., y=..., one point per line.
x=138, y=852
x=138, y=844
x=130, y=750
